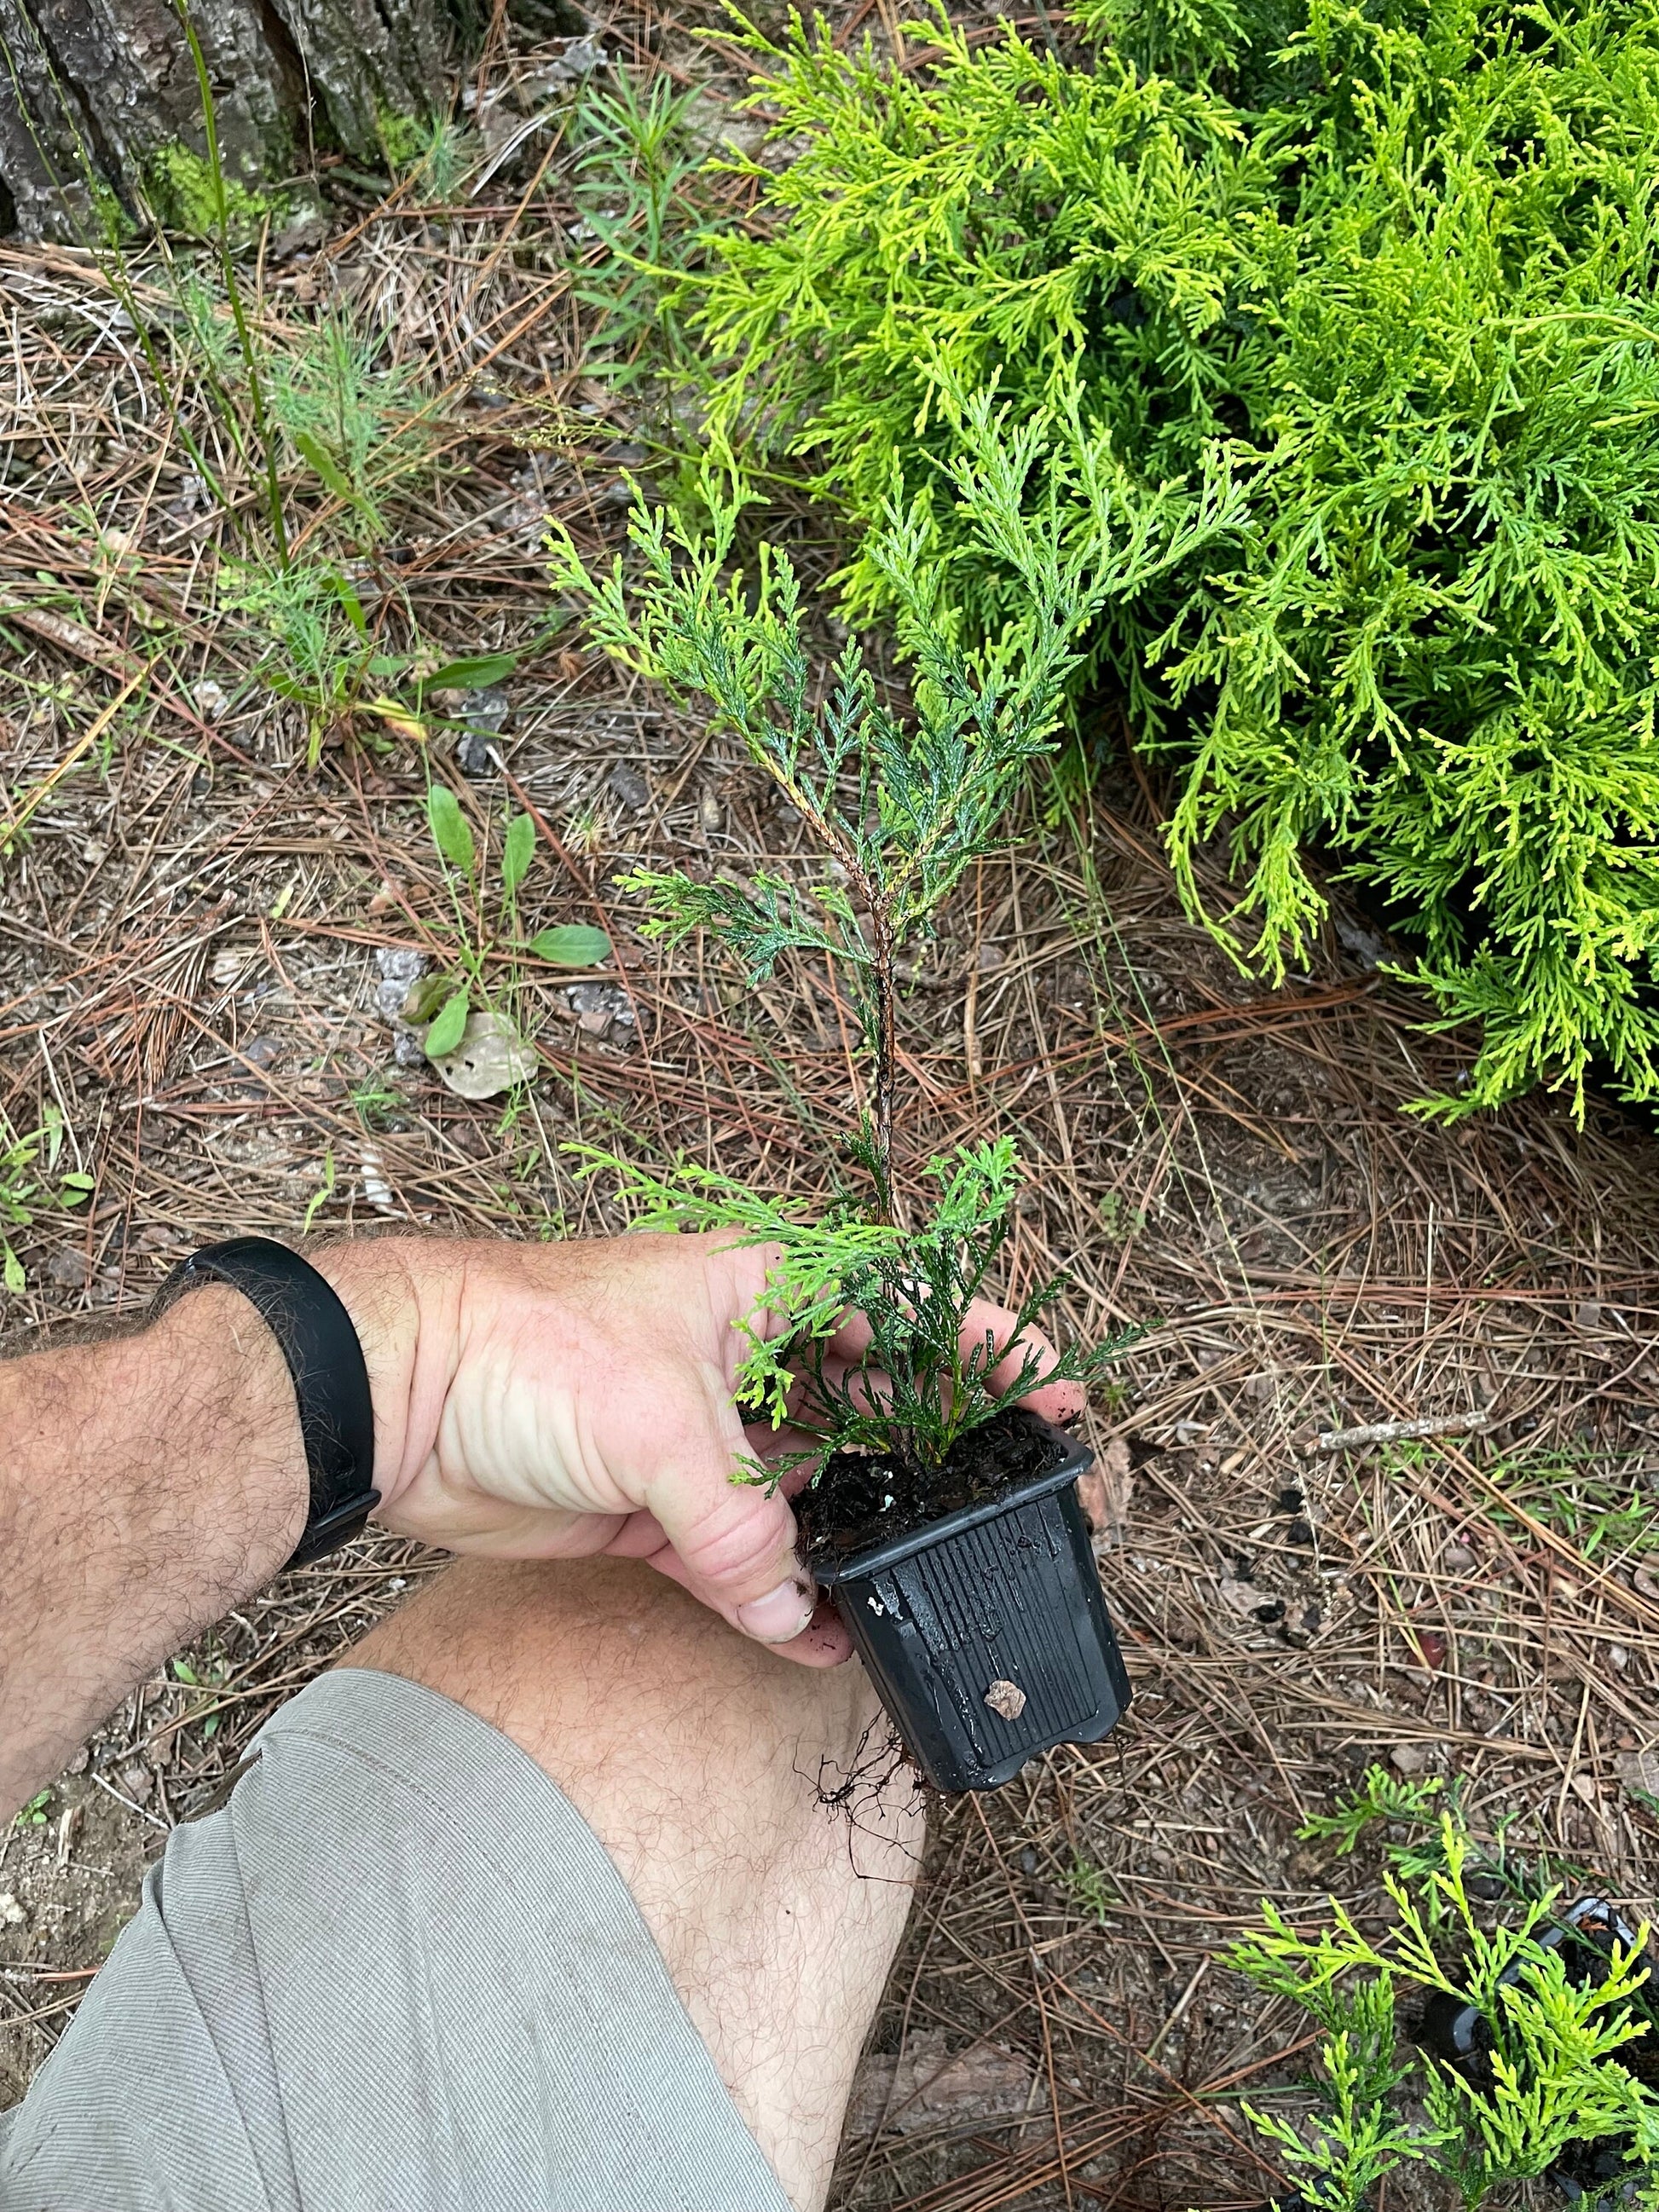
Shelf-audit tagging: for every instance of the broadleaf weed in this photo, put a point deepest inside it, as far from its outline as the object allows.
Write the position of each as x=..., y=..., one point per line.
x=31, y=1184
x=483, y=934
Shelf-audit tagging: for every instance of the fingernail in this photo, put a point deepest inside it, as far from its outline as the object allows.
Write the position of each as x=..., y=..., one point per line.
x=781, y=1613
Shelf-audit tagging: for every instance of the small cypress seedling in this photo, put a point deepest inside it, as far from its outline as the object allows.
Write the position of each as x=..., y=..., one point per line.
x=1556, y=2009
x=896, y=814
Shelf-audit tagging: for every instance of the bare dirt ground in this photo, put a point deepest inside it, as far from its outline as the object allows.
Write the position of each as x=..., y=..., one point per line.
x=191, y=975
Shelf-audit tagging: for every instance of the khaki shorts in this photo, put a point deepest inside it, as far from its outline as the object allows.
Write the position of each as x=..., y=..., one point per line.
x=397, y=1974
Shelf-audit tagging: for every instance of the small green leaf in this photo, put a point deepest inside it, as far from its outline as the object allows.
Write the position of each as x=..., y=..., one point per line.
x=444, y=1033
x=345, y=592
x=34, y=1815
x=518, y=852
x=11, y=1272
x=311, y=450
x=473, y=672
x=424, y=997
x=450, y=833
x=210, y=1725
x=185, y=1672
x=573, y=945
x=319, y=1198
x=388, y=663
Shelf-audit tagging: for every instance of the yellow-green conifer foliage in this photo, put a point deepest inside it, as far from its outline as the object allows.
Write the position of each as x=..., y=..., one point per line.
x=1394, y=263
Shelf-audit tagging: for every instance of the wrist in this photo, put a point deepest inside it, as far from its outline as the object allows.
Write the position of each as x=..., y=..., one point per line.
x=211, y=1373
x=385, y=1289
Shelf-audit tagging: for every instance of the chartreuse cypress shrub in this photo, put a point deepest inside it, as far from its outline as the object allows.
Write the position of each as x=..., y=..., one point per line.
x=1393, y=264
x=1555, y=2079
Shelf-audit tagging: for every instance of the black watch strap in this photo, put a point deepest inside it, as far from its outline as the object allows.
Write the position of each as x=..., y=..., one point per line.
x=330, y=1378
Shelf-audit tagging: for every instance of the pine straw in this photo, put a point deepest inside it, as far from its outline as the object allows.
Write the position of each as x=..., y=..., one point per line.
x=188, y=974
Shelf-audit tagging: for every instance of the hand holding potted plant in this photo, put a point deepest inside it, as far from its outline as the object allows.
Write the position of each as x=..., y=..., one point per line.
x=943, y=1517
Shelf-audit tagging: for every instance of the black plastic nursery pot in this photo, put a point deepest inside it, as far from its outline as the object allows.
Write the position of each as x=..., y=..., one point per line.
x=985, y=1631
x=1584, y=1934
x=1592, y=2175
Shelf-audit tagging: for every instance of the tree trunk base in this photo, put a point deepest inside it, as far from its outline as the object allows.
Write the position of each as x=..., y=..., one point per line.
x=100, y=115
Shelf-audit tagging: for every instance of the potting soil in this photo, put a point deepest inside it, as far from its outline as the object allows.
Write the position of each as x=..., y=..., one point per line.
x=862, y=1499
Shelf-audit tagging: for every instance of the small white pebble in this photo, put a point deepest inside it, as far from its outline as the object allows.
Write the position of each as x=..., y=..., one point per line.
x=12, y=1914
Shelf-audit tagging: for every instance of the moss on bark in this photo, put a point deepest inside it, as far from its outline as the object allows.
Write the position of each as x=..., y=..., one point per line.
x=99, y=98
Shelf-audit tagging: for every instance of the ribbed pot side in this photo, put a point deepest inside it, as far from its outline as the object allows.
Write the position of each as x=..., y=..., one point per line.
x=986, y=1631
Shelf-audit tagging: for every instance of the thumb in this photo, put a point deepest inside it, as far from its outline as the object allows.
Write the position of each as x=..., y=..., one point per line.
x=735, y=1542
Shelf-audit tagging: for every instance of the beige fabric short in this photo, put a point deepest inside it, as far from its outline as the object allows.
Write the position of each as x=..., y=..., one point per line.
x=397, y=1974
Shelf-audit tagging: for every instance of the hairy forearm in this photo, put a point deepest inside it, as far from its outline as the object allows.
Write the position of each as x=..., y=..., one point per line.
x=531, y=1402
x=146, y=1485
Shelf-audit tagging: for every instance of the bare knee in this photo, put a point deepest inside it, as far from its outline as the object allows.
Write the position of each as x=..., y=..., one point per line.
x=753, y=1806
x=600, y=1666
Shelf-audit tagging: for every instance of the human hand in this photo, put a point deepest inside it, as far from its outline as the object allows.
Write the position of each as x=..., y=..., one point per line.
x=560, y=1401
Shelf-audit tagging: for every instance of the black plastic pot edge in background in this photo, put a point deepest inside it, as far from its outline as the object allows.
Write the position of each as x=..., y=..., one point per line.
x=1450, y=2031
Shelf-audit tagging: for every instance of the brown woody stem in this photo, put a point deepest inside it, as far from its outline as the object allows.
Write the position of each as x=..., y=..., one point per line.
x=886, y=1044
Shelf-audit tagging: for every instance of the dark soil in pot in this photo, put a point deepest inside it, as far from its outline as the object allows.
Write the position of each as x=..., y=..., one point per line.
x=972, y=1595
x=864, y=1500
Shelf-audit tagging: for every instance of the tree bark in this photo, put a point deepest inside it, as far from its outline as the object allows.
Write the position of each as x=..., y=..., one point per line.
x=92, y=93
